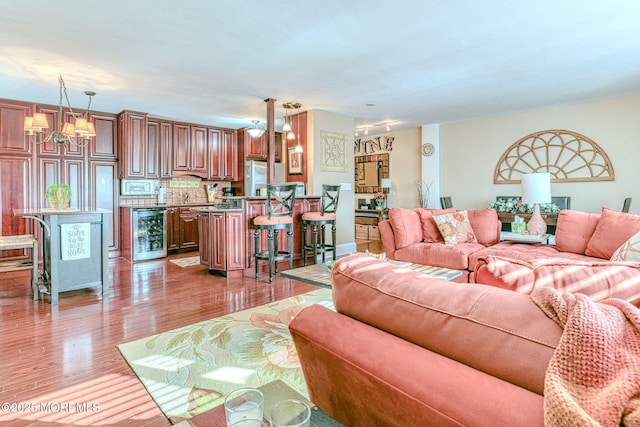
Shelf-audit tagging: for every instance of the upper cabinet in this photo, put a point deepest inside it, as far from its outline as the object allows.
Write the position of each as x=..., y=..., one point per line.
x=257, y=148
x=224, y=155
x=133, y=144
x=13, y=139
x=190, y=150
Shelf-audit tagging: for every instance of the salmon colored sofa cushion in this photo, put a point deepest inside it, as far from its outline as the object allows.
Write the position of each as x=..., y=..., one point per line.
x=407, y=227
x=596, y=279
x=574, y=230
x=485, y=226
x=613, y=229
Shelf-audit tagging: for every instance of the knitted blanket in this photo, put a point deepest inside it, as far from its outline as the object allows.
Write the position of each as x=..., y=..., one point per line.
x=593, y=377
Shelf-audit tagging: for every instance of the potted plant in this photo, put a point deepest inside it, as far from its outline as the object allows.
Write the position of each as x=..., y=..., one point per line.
x=379, y=197
x=58, y=196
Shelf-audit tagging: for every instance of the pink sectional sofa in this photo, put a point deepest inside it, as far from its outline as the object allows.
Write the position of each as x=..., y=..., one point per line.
x=423, y=351
x=403, y=349
x=578, y=262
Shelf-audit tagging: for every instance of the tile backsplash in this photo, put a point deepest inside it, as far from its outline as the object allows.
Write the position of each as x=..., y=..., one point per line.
x=176, y=191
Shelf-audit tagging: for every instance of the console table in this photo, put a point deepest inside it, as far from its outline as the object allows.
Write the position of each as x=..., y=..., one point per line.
x=75, y=254
x=366, y=221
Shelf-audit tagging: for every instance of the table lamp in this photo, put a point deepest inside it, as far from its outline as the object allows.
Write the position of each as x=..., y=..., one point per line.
x=385, y=183
x=536, y=189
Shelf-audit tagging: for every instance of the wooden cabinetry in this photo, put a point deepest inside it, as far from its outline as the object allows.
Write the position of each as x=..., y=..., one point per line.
x=222, y=240
x=182, y=228
x=134, y=144
x=13, y=139
x=190, y=150
x=15, y=193
x=257, y=148
x=223, y=155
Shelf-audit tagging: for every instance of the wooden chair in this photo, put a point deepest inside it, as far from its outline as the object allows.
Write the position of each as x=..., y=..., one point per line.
x=327, y=215
x=446, y=202
x=626, y=205
x=280, y=203
x=25, y=241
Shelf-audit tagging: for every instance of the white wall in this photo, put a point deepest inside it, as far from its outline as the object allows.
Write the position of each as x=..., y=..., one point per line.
x=404, y=167
x=470, y=150
x=317, y=122
x=466, y=154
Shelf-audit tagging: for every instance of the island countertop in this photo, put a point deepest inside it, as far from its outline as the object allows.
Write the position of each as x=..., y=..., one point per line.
x=50, y=211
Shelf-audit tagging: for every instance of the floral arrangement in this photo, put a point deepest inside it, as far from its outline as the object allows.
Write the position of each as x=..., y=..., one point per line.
x=514, y=205
x=379, y=195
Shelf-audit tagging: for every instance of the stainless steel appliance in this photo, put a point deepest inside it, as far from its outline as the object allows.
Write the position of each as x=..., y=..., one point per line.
x=149, y=233
x=255, y=176
x=139, y=187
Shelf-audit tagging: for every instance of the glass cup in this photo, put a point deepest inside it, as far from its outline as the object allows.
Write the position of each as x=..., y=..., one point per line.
x=250, y=423
x=244, y=404
x=291, y=413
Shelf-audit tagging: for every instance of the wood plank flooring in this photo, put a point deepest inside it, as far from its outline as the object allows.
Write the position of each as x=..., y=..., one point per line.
x=60, y=364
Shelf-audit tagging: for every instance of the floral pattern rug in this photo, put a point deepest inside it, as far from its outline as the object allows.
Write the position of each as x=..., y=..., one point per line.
x=189, y=370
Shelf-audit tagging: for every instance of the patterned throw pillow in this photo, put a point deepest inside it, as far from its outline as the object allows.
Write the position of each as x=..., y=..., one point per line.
x=455, y=228
x=629, y=250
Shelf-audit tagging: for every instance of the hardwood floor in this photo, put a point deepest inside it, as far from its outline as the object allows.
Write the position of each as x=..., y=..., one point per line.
x=60, y=364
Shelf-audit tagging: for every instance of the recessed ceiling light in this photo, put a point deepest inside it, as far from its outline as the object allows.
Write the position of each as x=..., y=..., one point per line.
x=370, y=105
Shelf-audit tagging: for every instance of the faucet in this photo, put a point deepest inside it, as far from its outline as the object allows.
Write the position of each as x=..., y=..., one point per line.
x=187, y=196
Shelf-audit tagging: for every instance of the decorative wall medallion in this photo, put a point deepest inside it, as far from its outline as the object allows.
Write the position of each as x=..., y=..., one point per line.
x=334, y=157
x=568, y=156
x=427, y=149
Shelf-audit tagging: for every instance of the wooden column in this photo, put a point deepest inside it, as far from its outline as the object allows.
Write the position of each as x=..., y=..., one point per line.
x=271, y=141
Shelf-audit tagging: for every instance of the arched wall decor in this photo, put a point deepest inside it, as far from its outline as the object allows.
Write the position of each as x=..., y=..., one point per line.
x=568, y=156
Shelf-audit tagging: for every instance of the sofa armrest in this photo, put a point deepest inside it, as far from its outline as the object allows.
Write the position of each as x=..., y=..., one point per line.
x=361, y=375
x=388, y=238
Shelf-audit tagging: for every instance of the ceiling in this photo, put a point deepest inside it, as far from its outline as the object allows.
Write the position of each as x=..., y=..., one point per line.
x=409, y=63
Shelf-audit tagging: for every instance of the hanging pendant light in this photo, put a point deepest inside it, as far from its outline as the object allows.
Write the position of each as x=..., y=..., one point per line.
x=298, y=148
x=255, y=131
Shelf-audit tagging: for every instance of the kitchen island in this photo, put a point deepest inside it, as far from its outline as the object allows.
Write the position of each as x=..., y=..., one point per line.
x=75, y=254
x=226, y=240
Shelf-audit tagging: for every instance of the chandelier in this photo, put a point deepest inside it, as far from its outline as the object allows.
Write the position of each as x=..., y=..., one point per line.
x=287, y=129
x=78, y=133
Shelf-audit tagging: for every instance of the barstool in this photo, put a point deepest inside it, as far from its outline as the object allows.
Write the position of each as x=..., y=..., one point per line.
x=280, y=202
x=327, y=215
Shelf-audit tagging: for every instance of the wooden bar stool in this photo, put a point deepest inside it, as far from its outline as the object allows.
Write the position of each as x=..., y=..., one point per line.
x=24, y=241
x=327, y=215
x=280, y=202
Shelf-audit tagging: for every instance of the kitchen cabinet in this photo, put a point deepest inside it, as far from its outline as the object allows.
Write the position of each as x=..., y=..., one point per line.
x=134, y=142
x=190, y=150
x=257, y=148
x=222, y=240
x=166, y=149
x=60, y=170
x=104, y=146
x=16, y=193
x=224, y=155
x=103, y=193
x=182, y=228
x=13, y=139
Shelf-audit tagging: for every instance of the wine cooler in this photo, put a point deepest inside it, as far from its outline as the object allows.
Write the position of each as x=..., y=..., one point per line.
x=149, y=234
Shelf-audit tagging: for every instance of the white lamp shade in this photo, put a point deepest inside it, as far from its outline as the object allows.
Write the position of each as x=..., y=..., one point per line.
x=385, y=183
x=536, y=188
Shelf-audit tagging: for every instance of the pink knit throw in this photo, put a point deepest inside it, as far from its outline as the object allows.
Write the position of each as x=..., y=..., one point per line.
x=593, y=377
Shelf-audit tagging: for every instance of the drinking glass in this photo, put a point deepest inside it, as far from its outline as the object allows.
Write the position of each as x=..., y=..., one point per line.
x=244, y=404
x=250, y=423
x=291, y=413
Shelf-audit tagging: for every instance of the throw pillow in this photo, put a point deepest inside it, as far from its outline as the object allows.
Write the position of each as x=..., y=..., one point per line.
x=430, y=232
x=629, y=251
x=613, y=229
x=455, y=228
x=485, y=225
x=574, y=229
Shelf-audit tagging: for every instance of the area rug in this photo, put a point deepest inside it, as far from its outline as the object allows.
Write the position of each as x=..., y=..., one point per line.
x=189, y=370
x=187, y=262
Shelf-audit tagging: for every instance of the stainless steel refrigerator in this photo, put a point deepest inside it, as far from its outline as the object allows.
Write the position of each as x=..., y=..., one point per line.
x=255, y=176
